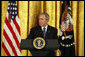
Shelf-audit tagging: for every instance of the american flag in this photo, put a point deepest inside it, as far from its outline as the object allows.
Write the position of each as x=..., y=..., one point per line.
x=11, y=32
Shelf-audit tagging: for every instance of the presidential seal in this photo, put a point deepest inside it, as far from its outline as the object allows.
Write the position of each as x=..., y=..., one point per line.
x=39, y=43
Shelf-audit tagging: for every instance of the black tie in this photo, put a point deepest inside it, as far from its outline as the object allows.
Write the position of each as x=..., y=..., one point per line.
x=44, y=32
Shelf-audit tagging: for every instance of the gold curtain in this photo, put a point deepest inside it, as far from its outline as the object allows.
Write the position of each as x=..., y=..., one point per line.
x=28, y=15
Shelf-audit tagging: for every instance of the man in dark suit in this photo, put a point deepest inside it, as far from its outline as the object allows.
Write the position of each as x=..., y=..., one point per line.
x=45, y=31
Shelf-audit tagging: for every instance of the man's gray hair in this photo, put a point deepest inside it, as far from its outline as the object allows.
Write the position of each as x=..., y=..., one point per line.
x=46, y=15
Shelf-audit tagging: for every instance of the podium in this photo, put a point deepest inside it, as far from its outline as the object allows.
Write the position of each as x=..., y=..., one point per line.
x=50, y=44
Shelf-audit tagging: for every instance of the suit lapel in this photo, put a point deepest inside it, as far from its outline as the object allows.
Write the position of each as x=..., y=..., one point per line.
x=48, y=31
x=40, y=31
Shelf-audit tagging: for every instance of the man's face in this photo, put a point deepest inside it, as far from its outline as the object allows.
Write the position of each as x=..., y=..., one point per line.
x=43, y=21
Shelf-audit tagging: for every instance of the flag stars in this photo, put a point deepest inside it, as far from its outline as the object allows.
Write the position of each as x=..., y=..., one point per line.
x=15, y=12
x=12, y=17
x=12, y=9
x=9, y=4
x=8, y=8
x=15, y=8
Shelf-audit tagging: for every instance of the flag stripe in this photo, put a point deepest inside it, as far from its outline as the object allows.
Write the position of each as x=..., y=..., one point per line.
x=7, y=46
x=11, y=30
x=17, y=26
x=12, y=39
x=13, y=33
x=17, y=20
x=5, y=49
x=9, y=41
x=16, y=31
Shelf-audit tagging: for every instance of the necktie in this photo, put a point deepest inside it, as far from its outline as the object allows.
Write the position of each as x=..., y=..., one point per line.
x=44, y=32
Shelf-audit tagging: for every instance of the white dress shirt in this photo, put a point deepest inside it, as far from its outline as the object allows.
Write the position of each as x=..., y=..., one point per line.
x=45, y=28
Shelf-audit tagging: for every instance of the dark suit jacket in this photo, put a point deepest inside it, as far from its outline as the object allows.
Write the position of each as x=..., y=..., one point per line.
x=37, y=32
